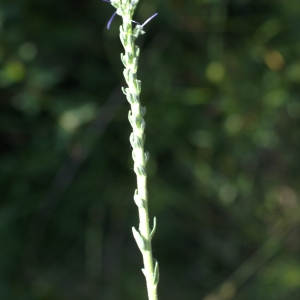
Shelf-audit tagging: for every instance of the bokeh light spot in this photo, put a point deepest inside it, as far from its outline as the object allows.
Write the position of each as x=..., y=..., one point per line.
x=28, y=51
x=215, y=71
x=228, y=193
x=274, y=60
x=14, y=70
x=233, y=123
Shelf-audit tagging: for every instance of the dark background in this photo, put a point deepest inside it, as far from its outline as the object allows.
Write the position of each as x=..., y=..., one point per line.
x=220, y=80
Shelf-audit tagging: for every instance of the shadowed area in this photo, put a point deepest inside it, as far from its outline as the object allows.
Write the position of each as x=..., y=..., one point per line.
x=220, y=81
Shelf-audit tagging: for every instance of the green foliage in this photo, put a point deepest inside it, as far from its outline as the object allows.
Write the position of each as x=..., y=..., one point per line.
x=220, y=83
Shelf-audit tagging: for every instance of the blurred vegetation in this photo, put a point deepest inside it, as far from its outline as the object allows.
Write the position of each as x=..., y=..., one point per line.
x=221, y=86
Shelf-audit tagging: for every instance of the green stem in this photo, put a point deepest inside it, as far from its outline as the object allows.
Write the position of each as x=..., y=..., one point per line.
x=128, y=35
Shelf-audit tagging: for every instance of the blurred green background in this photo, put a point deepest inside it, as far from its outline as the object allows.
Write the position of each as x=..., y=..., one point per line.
x=221, y=86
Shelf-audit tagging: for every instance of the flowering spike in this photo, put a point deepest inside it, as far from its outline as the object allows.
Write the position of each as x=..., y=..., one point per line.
x=128, y=35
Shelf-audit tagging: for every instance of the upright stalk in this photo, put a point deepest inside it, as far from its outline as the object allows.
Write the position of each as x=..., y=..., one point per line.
x=143, y=236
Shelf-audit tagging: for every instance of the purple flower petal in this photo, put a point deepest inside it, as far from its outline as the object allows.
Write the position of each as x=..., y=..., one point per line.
x=149, y=19
x=110, y=20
